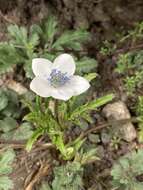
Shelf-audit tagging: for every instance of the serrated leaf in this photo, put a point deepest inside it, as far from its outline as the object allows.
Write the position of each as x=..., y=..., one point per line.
x=11, y=111
x=69, y=37
x=33, y=40
x=49, y=56
x=86, y=65
x=46, y=30
x=28, y=69
x=12, y=108
x=12, y=96
x=8, y=135
x=6, y=160
x=91, y=106
x=50, y=27
x=68, y=176
x=8, y=58
x=126, y=170
x=23, y=132
x=77, y=46
x=8, y=124
x=36, y=29
x=19, y=34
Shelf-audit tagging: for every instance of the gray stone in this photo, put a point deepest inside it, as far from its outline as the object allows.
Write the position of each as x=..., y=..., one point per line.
x=119, y=111
x=94, y=138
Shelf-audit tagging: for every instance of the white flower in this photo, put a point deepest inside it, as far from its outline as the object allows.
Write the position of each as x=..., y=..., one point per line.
x=56, y=79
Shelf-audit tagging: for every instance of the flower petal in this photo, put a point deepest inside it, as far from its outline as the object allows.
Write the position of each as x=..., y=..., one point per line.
x=41, y=87
x=62, y=93
x=78, y=85
x=41, y=67
x=65, y=63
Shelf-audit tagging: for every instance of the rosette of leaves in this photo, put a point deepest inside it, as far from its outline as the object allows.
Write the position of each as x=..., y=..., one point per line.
x=56, y=122
x=127, y=172
x=68, y=176
x=6, y=159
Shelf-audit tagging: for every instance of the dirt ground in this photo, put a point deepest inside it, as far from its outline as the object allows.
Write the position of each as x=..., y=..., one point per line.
x=103, y=19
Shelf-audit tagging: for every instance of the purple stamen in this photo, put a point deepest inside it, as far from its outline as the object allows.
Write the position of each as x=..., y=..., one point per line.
x=57, y=78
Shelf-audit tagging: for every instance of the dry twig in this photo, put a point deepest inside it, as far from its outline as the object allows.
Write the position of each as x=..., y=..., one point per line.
x=43, y=171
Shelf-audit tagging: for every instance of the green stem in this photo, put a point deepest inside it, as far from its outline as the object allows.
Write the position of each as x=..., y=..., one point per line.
x=38, y=101
x=56, y=110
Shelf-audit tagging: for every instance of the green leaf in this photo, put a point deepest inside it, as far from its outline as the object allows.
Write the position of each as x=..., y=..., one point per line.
x=3, y=100
x=19, y=35
x=70, y=37
x=12, y=108
x=90, y=76
x=126, y=170
x=87, y=117
x=8, y=124
x=50, y=27
x=46, y=30
x=68, y=177
x=77, y=143
x=62, y=112
x=33, y=138
x=23, y=132
x=12, y=131
x=28, y=69
x=5, y=183
x=7, y=136
x=24, y=42
x=6, y=160
x=86, y=157
x=90, y=106
x=86, y=65
x=33, y=40
x=49, y=56
x=8, y=58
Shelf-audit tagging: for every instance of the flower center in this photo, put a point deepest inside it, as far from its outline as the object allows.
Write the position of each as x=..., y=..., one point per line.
x=57, y=78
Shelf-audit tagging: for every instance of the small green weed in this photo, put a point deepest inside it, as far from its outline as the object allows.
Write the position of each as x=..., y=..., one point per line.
x=127, y=171
x=45, y=41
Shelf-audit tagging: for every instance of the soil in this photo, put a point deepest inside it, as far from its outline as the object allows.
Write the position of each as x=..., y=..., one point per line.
x=103, y=19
